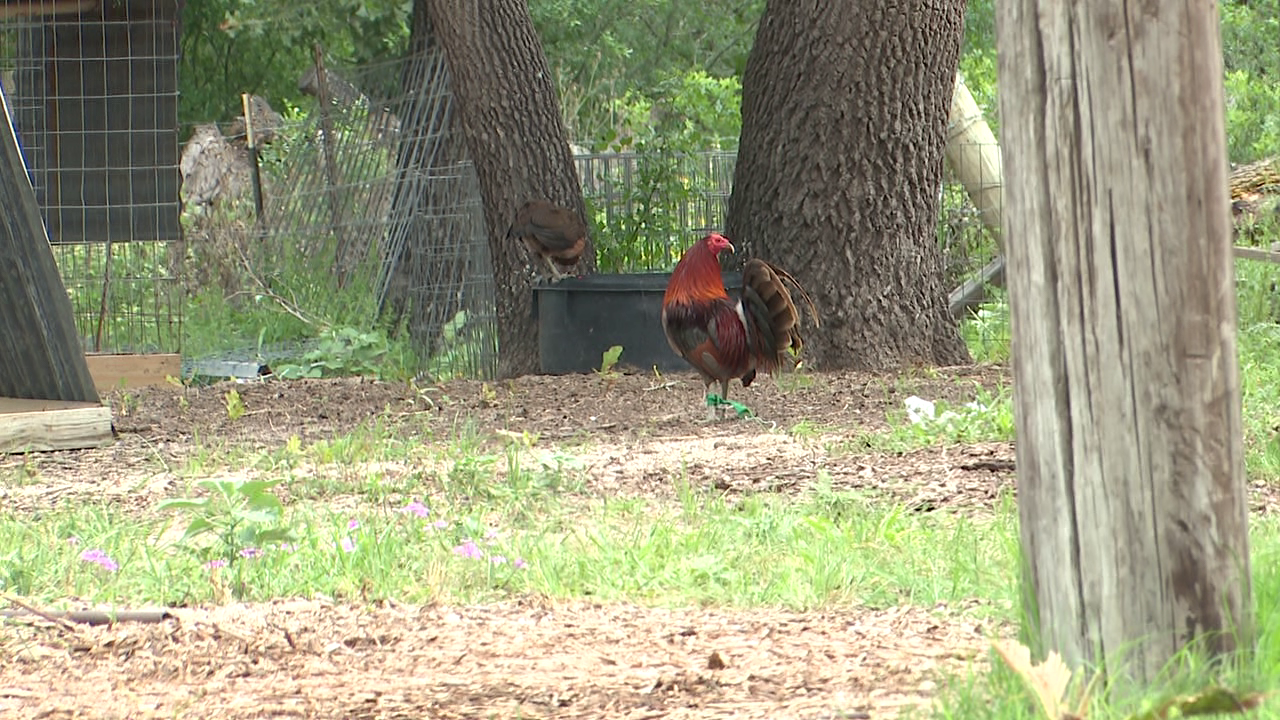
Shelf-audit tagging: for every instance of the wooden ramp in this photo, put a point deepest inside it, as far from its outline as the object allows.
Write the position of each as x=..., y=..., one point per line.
x=47, y=395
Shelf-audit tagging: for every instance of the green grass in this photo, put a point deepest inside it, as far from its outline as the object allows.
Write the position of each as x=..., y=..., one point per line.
x=828, y=547
x=1000, y=694
x=986, y=418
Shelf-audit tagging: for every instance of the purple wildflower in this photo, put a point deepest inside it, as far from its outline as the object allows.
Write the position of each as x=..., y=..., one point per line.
x=216, y=563
x=353, y=524
x=416, y=508
x=440, y=524
x=348, y=545
x=497, y=560
x=286, y=547
x=470, y=550
x=250, y=552
x=520, y=564
x=491, y=535
x=101, y=559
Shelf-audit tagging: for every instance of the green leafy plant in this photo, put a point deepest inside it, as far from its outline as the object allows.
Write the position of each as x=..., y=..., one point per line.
x=345, y=351
x=234, y=404
x=609, y=360
x=237, y=518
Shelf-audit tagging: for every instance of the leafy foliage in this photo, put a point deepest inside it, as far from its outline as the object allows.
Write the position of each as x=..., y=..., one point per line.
x=604, y=50
x=1252, y=57
x=237, y=515
x=609, y=359
x=643, y=217
x=344, y=351
x=235, y=46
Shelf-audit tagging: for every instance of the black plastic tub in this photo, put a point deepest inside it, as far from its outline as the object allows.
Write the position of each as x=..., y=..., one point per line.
x=580, y=318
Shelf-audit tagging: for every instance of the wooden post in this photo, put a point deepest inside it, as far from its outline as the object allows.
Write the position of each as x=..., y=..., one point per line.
x=974, y=156
x=255, y=172
x=1127, y=391
x=331, y=177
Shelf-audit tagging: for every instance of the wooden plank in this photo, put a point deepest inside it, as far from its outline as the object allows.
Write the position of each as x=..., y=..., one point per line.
x=24, y=427
x=974, y=290
x=111, y=372
x=27, y=405
x=1250, y=253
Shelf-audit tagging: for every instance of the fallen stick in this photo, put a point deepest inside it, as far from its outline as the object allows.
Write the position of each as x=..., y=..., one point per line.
x=91, y=617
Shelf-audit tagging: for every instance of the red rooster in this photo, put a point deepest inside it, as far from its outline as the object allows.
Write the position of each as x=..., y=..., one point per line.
x=723, y=337
x=551, y=232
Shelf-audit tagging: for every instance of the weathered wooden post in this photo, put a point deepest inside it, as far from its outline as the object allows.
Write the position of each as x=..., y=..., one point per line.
x=1127, y=390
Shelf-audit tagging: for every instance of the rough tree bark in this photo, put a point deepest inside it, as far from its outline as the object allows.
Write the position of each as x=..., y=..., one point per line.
x=844, y=117
x=1127, y=394
x=510, y=116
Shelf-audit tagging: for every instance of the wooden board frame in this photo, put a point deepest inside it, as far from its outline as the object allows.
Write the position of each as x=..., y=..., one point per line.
x=111, y=372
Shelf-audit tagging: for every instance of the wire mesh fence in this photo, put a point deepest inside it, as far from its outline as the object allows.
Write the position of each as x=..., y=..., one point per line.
x=94, y=98
x=648, y=209
x=363, y=214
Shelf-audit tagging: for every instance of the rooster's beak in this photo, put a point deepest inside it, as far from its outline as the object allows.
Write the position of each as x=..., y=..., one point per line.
x=726, y=242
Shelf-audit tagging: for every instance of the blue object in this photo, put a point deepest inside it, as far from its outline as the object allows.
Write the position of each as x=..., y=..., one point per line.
x=17, y=136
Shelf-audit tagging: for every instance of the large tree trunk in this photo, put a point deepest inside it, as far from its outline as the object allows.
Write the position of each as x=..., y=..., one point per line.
x=844, y=117
x=508, y=110
x=1127, y=395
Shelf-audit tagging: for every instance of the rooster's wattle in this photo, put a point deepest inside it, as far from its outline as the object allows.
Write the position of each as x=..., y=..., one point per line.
x=725, y=337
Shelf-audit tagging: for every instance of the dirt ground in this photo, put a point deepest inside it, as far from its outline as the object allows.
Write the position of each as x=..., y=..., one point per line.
x=305, y=659
x=631, y=435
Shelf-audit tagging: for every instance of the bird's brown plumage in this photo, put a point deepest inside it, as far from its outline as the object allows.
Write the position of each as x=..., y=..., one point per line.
x=554, y=233
x=725, y=337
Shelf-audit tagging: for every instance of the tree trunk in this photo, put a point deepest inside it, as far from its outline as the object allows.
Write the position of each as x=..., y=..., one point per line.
x=844, y=118
x=1130, y=471
x=508, y=110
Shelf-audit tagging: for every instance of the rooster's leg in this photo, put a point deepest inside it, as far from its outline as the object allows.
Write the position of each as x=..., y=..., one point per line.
x=724, y=397
x=713, y=410
x=556, y=275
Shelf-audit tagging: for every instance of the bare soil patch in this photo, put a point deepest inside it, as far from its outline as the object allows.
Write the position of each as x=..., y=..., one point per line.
x=555, y=407
x=303, y=659
x=632, y=434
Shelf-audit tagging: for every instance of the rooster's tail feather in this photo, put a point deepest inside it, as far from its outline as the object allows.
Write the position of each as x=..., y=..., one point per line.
x=768, y=301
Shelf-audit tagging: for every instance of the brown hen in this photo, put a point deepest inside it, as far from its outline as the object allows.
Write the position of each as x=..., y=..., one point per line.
x=554, y=233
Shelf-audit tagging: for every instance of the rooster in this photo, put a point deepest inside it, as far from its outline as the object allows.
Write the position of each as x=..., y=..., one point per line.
x=555, y=234
x=725, y=337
